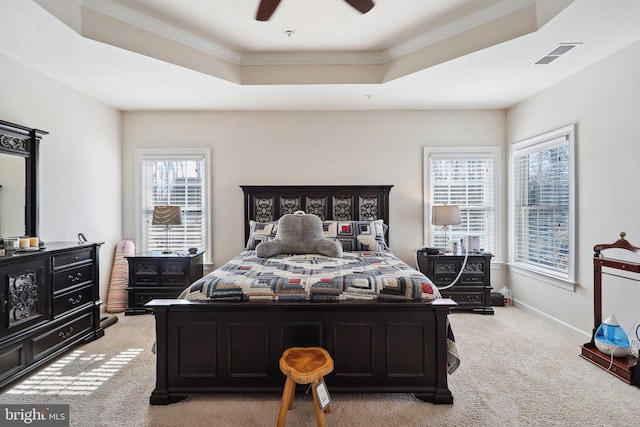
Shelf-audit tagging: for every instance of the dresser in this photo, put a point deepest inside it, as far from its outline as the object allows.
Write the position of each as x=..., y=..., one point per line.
x=472, y=291
x=49, y=302
x=155, y=275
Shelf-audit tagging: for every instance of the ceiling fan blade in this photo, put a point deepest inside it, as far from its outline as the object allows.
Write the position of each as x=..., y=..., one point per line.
x=363, y=6
x=266, y=9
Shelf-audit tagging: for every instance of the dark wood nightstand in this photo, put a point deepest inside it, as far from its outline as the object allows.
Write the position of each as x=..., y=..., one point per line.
x=157, y=275
x=472, y=291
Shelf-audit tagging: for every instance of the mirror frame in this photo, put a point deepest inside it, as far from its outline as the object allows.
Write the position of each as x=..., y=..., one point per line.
x=22, y=141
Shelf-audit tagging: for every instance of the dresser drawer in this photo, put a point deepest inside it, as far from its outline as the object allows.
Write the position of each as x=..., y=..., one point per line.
x=72, y=277
x=70, y=258
x=49, y=342
x=12, y=360
x=72, y=299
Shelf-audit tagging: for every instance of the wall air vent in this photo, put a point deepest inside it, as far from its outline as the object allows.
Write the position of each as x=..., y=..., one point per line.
x=556, y=53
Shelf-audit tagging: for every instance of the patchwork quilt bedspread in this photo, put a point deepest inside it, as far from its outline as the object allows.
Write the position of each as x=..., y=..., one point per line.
x=355, y=276
x=359, y=275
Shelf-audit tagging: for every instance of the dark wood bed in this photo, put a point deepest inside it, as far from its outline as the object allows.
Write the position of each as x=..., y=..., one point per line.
x=390, y=347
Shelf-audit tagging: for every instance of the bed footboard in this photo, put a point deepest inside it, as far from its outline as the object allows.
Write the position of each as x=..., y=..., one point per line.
x=390, y=347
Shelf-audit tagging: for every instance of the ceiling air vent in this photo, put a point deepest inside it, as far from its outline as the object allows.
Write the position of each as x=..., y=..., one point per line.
x=556, y=53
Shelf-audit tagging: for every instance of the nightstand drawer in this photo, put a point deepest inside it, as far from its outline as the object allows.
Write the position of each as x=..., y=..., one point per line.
x=173, y=280
x=143, y=280
x=143, y=296
x=443, y=279
x=471, y=279
x=466, y=298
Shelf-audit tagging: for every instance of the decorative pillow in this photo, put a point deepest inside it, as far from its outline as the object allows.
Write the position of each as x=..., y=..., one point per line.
x=261, y=232
x=299, y=233
x=357, y=235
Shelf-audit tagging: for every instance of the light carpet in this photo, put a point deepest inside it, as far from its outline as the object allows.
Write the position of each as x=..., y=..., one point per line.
x=516, y=370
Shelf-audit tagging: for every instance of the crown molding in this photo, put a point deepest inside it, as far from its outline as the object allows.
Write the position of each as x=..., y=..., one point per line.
x=311, y=58
x=429, y=38
x=458, y=26
x=155, y=26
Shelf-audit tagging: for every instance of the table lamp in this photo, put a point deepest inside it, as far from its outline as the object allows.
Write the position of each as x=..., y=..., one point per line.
x=445, y=215
x=167, y=216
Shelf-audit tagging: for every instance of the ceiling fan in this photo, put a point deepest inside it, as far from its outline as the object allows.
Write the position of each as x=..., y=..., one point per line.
x=267, y=7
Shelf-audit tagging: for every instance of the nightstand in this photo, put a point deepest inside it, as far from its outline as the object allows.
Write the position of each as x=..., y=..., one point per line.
x=156, y=275
x=472, y=291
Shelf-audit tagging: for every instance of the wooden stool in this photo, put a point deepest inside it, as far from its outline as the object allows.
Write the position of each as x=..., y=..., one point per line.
x=303, y=365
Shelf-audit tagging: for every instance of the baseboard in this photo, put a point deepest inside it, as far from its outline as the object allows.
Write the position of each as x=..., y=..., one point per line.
x=585, y=337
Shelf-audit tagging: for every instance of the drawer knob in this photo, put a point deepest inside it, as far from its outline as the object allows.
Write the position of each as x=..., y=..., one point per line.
x=75, y=301
x=75, y=278
x=67, y=334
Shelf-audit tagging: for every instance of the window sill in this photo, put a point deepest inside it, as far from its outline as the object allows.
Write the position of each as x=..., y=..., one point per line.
x=543, y=277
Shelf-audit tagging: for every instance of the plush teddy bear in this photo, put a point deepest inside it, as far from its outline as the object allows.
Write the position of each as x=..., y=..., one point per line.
x=299, y=233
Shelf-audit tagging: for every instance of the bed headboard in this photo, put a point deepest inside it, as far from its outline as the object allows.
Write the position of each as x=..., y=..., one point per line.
x=263, y=203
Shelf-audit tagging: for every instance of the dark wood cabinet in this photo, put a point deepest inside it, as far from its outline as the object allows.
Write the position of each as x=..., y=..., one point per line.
x=154, y=275
x=49, y=302
x=472, y=291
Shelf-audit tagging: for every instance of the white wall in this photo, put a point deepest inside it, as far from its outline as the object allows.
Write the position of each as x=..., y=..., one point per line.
x=310, y=147
x=80, y=159
x=604, y=103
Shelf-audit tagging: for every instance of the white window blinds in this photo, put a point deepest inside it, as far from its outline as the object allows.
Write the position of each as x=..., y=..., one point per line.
x=466, y=179
x=542, y=198
x=179, y=182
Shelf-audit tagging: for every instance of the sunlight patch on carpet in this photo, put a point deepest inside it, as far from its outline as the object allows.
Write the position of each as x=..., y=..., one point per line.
x=58, y=377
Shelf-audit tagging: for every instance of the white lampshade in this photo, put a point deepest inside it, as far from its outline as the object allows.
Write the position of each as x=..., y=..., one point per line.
x=445, y=215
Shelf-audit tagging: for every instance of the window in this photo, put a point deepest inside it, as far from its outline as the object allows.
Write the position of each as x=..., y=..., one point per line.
x=176, y=178
x=467, y=177
x=543, y=204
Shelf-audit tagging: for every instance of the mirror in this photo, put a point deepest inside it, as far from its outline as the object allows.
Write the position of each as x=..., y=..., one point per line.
x=19, y=180
x=12, y=196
